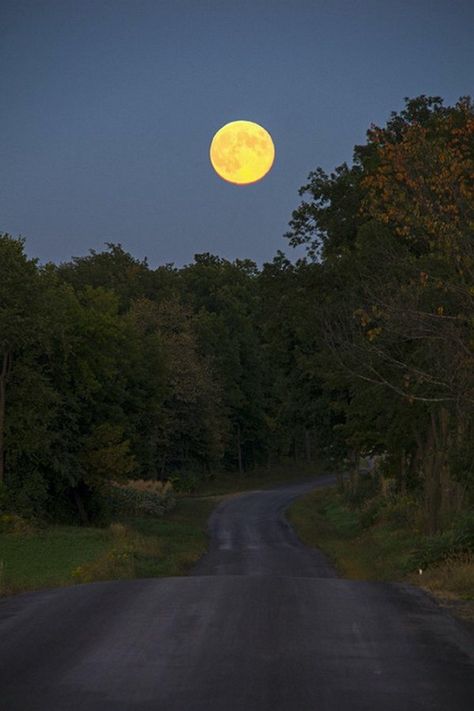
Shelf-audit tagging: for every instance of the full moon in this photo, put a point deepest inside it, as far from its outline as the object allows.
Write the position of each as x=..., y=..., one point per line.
x=242, y=152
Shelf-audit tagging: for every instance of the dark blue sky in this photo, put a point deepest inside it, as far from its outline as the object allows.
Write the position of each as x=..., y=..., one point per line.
x=108, y=108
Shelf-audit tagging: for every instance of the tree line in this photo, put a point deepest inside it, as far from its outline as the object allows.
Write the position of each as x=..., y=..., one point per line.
x=111, y=369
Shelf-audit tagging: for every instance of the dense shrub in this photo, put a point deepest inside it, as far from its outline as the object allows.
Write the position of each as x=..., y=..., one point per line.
x=149, y=498
x=365, y=488
x=14, y=524
x=450, y=543
x=187, y=482
x=401, y=510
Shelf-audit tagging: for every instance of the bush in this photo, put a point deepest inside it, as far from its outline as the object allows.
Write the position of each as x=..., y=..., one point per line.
x=11, y=523
x=370, y=512
x=400, y=510
x=464, y=532
x=449, y=544
x=4, y=498
x=119, y=563
x=366, y=488
x=150, y=498
x=345, y=522
x=186, y=482
x=162, y=488
x=27, y=494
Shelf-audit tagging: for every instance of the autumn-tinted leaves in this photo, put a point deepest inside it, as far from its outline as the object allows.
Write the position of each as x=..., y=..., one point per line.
x=111, y=368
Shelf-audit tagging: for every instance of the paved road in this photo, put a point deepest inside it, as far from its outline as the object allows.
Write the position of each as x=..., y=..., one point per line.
x=264, y=624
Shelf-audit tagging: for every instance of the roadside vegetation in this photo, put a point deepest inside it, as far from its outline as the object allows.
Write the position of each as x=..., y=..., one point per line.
x=40, y=556
x=150, y=531
x=114, y=372
x=370, y=533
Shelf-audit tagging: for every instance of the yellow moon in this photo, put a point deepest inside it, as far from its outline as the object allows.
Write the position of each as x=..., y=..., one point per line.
x=242, y=152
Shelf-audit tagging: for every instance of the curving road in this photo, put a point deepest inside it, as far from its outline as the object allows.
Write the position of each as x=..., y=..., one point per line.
x=263, y=624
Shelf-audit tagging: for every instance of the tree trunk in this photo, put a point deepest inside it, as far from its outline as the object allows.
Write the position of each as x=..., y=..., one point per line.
x=239, y=450
x=4, y=373
x=340, y=481
x=307, y=443
x=2, y=430
x=354, y=471
x=269, y=461
x=403, y=473
x=460, y=434
x=434, y=464
x=80, y=507
x=446, y=485
x=163, y=466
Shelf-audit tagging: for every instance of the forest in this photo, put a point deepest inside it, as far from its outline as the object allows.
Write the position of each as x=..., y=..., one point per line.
x=111, y=370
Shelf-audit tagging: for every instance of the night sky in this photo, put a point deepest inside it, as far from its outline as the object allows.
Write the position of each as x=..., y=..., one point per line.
x=108, y=108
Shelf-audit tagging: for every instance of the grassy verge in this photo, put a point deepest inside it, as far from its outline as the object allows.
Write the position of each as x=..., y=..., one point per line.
x=364, y=546
x=31, y=558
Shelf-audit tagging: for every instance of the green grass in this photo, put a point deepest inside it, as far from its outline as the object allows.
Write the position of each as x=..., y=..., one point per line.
x=133, y=547
x=47, y=557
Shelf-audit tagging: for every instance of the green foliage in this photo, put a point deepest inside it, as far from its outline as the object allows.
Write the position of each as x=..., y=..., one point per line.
x=28, y=492
x=110, y=369
x=4, y=498
x=445, y=545
x=361, y=491
x=224, y=298
x=187, y=482
x=129, y=499
x=391, y=326
x=345, y=520
x=102, y=378
x=401, y=511
x=106, y=454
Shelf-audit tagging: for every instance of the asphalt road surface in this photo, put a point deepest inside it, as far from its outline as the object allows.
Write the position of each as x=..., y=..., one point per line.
x=263, y=624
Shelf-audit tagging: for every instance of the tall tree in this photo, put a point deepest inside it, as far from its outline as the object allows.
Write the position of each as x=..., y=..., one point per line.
x=20, y=318
x=394, y=233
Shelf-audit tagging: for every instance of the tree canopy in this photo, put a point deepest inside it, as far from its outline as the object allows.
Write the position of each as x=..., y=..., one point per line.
x=110, y=369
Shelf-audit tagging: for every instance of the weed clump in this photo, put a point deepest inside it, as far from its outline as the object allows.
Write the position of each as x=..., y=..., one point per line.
x=142, y=497
x=123, y=560
x=16, y=525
